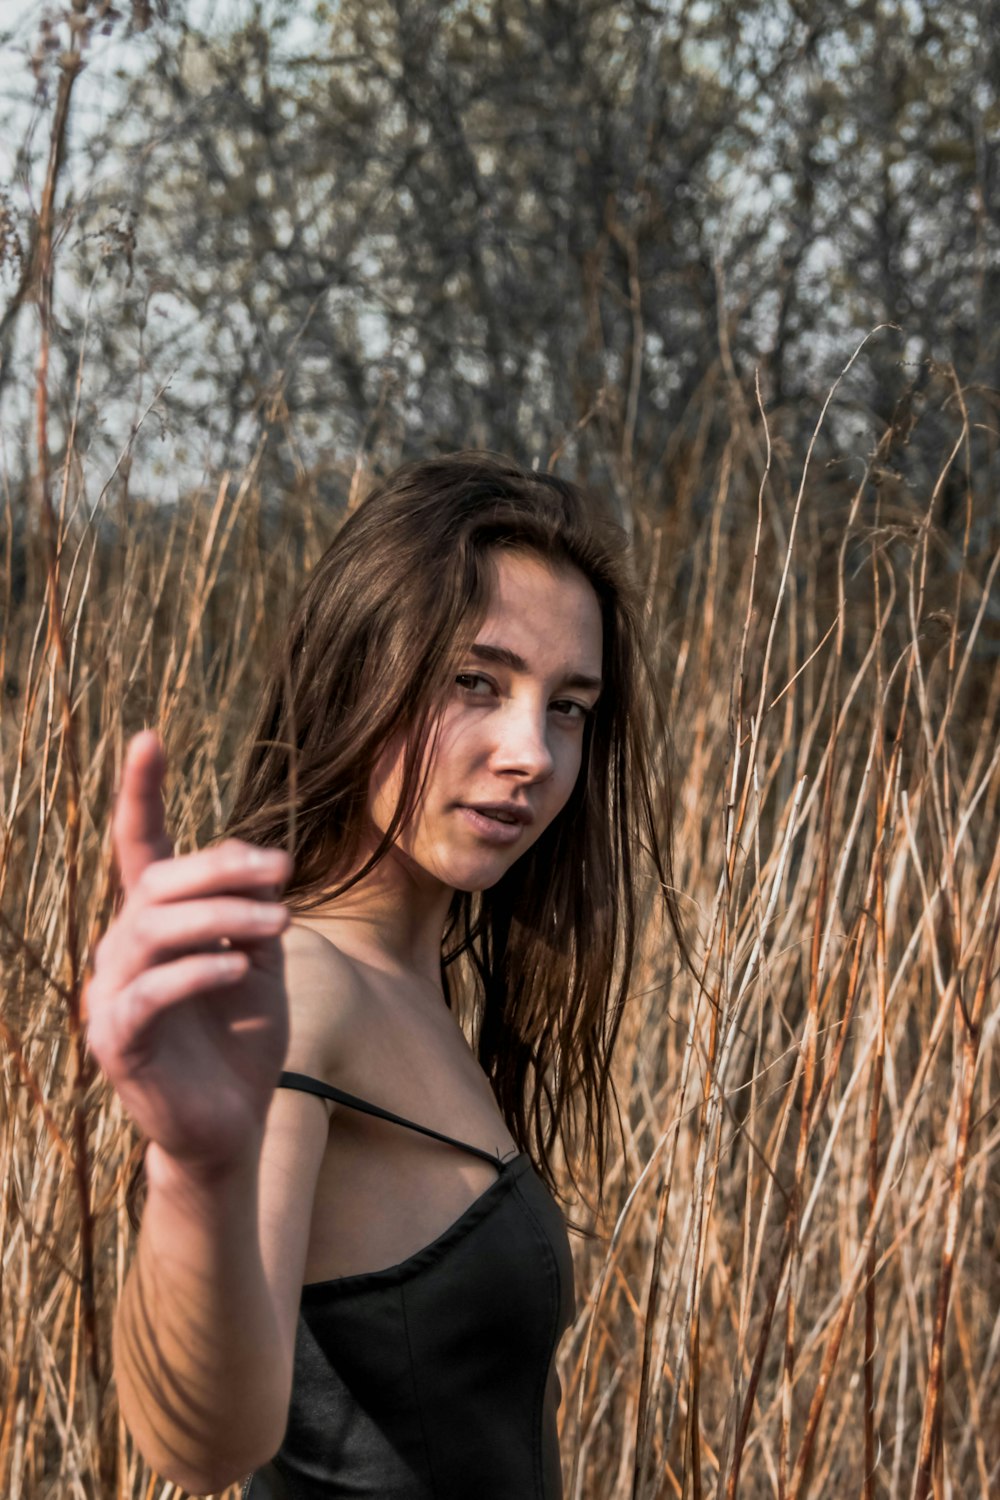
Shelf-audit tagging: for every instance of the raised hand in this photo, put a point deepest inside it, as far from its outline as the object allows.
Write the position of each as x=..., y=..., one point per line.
x=187, y=1012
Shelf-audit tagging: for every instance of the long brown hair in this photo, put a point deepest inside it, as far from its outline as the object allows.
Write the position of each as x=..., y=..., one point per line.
x=368, y=655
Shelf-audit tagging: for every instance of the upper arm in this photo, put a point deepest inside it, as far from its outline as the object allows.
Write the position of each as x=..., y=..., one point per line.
x=323, y=991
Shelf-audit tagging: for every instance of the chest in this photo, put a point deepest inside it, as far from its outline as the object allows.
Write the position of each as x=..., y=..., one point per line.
x=385, y=1191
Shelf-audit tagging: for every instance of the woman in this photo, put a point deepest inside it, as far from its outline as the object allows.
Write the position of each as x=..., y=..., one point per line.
x=352, y=1276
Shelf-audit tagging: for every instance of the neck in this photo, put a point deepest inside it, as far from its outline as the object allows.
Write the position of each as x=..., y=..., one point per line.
x=393, y=919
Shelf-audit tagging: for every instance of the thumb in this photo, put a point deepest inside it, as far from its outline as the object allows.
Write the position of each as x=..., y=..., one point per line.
x=139, y=831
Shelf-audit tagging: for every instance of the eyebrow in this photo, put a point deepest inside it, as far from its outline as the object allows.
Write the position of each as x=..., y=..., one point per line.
x=507, y=658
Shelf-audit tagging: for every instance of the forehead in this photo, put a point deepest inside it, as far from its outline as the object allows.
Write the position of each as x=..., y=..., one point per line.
x=545, y=611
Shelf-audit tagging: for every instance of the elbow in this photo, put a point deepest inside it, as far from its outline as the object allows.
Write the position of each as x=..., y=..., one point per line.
x=211, y=1484
x=194, y=1466
x=220, y=1476
x=196, y=1481
x=203, y=1451
x=212, y=1477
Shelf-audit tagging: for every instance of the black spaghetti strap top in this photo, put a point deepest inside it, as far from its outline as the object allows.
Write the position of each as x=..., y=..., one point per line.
x=434, y=1379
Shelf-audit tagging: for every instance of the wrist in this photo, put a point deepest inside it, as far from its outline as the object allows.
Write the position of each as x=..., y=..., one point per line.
x=177, y=1178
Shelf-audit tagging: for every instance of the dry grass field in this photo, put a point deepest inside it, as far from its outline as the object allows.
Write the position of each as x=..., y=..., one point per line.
x=795, y=1290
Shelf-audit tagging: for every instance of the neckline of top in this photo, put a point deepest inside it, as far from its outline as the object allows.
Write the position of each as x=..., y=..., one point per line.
x=509, y=1170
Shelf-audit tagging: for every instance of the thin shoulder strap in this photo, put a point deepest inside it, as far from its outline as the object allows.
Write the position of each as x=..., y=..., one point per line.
x=327, y=1091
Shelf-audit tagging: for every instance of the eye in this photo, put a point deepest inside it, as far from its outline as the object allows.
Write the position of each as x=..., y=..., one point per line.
x=578, y=711
x=468, y=681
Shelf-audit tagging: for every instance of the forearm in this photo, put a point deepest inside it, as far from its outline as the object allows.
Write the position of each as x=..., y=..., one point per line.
x=198, y=1360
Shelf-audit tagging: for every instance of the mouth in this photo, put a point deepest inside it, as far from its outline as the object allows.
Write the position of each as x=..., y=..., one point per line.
x=504, y=812
x=497, y=824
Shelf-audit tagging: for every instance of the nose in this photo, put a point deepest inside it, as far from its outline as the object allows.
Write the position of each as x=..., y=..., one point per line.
x=522, y=745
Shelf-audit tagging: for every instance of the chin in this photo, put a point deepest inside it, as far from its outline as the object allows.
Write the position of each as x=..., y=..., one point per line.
x=472, y=883
x=475, y=887
x=478, y=877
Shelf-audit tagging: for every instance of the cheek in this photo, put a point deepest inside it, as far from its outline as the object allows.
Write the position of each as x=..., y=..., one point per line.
x=569, y=758
x=453, y=756
x=450, y=750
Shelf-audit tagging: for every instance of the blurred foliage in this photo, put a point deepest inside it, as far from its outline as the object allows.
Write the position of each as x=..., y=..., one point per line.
x=518, y=223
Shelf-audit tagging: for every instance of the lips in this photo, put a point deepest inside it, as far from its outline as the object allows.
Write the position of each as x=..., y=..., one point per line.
x=491, y=829
x=504, y=812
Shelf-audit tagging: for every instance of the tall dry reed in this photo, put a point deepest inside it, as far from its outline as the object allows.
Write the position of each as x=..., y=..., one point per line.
x=797, y=1290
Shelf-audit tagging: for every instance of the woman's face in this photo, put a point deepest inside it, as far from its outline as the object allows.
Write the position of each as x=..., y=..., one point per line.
x=510, y=736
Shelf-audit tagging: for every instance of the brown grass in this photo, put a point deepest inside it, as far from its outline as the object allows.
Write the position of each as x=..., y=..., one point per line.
x=797, y=1292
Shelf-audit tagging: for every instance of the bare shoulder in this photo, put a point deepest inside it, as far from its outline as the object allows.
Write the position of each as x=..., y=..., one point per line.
x=324, y=1010
x=325, y=995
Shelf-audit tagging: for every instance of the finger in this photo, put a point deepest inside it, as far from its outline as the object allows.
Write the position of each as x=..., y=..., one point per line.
x=229, y=867
x=139, y=830
x=111, y=1036
x=149, y=935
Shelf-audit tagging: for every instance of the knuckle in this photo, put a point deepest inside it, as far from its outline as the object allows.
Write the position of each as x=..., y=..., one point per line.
x=236, y=911
x=236, y=849
x=95, y=1038
x=97, y=1032
x=134, y=943
x=208, y=916
x=145, y=886
x=139, y=993
x=107, y=949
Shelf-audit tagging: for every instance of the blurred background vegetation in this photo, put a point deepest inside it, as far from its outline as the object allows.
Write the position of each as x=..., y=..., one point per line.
x=498, y=224
x=252, y=255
